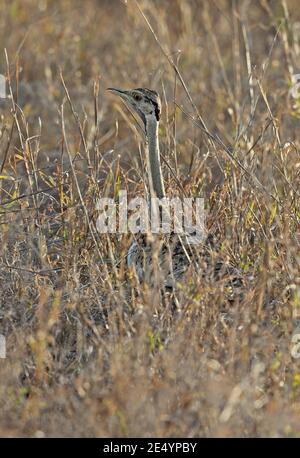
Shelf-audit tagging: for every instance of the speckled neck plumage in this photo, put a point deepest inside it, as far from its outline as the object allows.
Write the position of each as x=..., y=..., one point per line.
x=153, y=158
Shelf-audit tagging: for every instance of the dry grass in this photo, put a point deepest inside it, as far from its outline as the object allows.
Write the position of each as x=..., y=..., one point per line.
x=89, y=352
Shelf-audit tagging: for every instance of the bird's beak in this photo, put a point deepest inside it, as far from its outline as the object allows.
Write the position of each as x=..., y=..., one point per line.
x=113, y=89
x=118, y=92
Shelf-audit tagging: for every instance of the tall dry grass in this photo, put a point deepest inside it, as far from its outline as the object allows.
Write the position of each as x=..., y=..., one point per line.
x=89, y=351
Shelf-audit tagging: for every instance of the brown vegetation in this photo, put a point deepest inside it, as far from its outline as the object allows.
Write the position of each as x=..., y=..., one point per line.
x=89, y=351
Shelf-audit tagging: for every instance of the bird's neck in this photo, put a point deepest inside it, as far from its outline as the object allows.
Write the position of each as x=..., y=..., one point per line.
x=153, y=159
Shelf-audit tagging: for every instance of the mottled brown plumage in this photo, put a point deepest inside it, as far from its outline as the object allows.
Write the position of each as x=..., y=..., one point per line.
x=164, y=259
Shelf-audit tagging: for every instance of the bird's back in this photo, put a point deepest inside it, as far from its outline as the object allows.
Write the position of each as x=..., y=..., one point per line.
x=164, y=261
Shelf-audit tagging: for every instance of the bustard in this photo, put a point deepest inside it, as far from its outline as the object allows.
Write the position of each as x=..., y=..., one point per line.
x=170, y=256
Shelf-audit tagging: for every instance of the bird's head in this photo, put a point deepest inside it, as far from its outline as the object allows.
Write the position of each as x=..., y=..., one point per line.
x=145, y=102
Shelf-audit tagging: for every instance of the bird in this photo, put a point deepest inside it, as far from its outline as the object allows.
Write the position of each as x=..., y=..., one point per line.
x=165, y=259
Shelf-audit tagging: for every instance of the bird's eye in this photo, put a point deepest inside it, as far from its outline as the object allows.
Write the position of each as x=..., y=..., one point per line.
x=137, y=97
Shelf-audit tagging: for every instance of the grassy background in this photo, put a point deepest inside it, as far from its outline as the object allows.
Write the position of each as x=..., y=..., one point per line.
x=89, y=352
